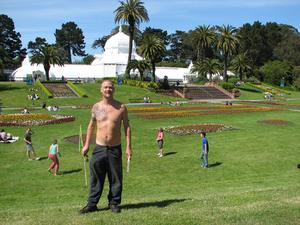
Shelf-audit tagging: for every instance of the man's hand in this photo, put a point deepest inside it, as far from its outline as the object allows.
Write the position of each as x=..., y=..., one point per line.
x=84, y=150
x=128, y=153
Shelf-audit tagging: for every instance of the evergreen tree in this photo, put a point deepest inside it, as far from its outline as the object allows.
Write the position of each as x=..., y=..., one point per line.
x=70, y=37
x=11, y=51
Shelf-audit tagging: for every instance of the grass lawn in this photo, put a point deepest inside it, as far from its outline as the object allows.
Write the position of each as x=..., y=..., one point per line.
x=252, y=179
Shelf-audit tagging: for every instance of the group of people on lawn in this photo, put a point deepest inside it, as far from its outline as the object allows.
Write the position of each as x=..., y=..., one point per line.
x=107, y=116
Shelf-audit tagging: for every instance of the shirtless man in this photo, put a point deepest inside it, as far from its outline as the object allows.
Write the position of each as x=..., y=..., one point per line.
x=107, y=116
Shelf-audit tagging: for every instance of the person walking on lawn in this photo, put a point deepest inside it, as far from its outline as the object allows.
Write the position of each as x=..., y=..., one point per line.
x=204, y=152
x=29, y=147
x=53, y=152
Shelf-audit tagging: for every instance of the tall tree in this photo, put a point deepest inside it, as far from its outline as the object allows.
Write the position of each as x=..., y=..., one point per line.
x=11, y=51
x=152, y=48
x=207, y=66
x=203, y=39
x=240, y=65
x=157, y=32
x=228, y=42
x=70, y=37
x=289, y=48
x=47, y=54
x=140, y=65
x=133, y=13
x=175, y=52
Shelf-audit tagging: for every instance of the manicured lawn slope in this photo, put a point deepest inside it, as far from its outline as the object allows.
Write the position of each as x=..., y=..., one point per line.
x=253, y=177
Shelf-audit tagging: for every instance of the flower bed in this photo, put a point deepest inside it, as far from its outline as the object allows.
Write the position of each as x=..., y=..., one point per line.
x=33, y=119
x=196, y=129
x=160, y=115
x=276, y=122
x=186, y=108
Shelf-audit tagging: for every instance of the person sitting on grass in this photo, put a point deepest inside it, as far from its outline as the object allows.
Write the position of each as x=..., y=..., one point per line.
x=25, y=111
x=53, y=152
x=3, y=135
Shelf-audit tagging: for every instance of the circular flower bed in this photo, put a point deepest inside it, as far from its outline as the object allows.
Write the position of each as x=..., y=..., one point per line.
x=196, y=129
x=33, y=119
x=277, y=122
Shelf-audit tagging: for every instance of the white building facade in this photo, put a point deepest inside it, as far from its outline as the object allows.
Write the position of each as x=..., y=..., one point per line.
x=111, y=63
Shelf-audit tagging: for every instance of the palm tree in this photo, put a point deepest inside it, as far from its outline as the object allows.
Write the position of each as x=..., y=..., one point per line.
x=132, y=12
x=42, y=52
x=204, y=37
x=207, y=66
x=152, y=48
x=240, y=65
x=140, y=65
x=228, y=42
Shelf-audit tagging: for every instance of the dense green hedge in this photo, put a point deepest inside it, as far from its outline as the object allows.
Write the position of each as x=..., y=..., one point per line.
x=78, y=90
x=44, y=89
x=142, y=84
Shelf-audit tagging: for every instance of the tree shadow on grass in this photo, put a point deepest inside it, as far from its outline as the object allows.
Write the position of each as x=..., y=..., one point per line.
x=8, y=87
x=215, y=164
x=170, y=153
x=71, y=171
x=159, y=204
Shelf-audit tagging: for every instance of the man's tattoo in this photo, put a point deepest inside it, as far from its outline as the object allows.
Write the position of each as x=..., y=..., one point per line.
x=99, y=113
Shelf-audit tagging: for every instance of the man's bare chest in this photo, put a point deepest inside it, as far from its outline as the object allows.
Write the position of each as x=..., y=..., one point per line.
x=107, y=114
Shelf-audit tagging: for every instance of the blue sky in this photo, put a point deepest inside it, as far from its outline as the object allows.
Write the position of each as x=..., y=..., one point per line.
x=41, y=18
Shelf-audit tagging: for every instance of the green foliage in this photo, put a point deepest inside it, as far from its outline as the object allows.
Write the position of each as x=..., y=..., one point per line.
x=207, y=66
x=274, y=71
x=132, y=12
x=233, y=80
x=171, y=64
x=253, y=80
x=78, y=90
x=152, y=49
x=11, y=52
x=227, y=86
x=70, y=37
x=142, y=84
x=44, y=89
x=140, y=65
x=204, y=37
x=42, y=52
x=297, y=83
x=227, y=43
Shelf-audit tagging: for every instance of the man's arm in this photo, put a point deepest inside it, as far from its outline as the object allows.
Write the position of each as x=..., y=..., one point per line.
x=205, y=148
x=127, y=132
x=89, y=134
x=26, y=141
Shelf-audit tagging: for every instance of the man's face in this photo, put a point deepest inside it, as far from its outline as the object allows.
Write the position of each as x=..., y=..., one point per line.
x=107, y=89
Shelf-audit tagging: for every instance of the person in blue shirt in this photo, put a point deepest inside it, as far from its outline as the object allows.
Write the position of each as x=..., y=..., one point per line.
x=204, y=152
x=53, y=152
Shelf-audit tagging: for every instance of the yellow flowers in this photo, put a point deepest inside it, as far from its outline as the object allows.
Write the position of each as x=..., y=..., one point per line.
x=33, y=119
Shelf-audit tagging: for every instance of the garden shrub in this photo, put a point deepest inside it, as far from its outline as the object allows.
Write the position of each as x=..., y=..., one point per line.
x=297, y=83
x=44, y=89
x=252, y=80
x=227, y=86
x=78, y=90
